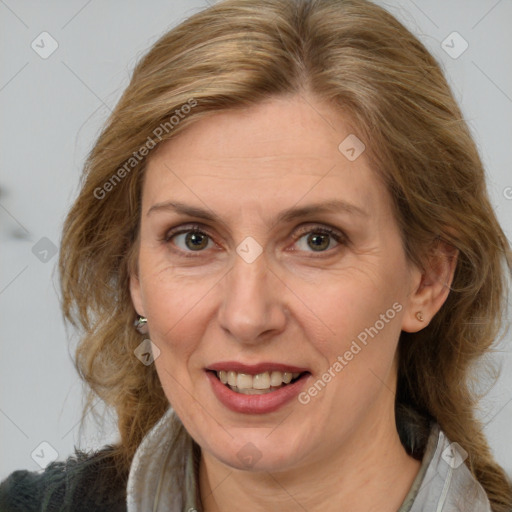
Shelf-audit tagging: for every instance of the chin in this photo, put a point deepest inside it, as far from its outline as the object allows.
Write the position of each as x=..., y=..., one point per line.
x=257, y=450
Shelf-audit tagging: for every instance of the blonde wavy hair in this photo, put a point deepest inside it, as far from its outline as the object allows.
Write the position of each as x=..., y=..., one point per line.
x=357, y=56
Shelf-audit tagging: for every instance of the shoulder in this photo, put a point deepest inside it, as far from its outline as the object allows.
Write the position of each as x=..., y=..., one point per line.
x=84, y=482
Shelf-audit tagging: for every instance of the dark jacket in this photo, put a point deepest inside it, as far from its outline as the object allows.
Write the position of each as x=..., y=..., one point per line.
x=83, y=483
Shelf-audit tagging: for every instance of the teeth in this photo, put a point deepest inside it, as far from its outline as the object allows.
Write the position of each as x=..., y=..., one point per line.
x=232, y=378
x=261, y=381
x=244, y=381
x=276, y=378
x=257, y=384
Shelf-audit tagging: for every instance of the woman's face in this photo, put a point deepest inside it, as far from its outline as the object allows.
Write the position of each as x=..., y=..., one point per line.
x=297, y=267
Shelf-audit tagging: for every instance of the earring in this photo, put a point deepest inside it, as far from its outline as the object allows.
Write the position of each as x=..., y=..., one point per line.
x=419, y=316
x=141, y=324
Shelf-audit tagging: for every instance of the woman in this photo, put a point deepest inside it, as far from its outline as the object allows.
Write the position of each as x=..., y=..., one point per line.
x=289, y=204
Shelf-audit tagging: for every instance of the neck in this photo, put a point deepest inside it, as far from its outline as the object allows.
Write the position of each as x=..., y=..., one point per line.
x=369, y=472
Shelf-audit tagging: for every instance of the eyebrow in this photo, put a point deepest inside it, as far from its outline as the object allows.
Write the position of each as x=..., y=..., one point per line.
x=290, y=214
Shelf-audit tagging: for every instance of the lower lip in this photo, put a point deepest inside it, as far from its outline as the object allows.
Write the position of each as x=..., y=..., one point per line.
x=255, y=404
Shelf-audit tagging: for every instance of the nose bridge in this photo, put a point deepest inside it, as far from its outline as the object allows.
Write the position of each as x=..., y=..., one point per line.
x=250, y=304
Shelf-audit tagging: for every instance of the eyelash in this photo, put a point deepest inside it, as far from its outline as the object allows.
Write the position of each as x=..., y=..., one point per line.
x=337, y=235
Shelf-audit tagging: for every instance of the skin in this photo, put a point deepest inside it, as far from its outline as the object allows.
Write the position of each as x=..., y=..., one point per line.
x=292, y=305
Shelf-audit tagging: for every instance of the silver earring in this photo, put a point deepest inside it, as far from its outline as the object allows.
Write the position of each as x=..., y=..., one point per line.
x=141, y=324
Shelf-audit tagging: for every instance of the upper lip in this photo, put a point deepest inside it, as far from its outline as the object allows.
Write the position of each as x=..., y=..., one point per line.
x=255, y=369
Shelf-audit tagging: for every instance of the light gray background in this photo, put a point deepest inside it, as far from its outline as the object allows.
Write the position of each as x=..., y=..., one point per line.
x=52, y=110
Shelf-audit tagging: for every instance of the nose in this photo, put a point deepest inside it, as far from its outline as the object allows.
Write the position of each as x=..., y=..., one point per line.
x=252, y=308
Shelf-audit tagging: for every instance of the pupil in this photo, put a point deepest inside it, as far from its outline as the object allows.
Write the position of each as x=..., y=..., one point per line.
x=319, y=241
x=198, y=241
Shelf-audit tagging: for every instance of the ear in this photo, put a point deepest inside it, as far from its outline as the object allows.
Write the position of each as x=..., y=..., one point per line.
x=136, y=292
x=430, y=287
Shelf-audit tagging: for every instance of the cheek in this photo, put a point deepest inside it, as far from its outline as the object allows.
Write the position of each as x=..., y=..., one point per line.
x=358, y=300
x=363, y=307
x=176, y=312
x=358, y=359
x=362, y=350
x=175, y=307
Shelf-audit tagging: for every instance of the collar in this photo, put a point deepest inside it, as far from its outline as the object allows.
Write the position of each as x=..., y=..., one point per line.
x=444, y=482
x=164, y=474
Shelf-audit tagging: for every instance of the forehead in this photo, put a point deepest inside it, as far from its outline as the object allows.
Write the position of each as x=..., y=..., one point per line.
x=284, y=150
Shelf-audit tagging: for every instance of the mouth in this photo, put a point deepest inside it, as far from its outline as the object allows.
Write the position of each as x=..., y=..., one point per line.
x=257, y=384
x=256, y=389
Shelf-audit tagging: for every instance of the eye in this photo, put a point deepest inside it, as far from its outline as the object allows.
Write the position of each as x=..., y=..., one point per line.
x=189, y=239
x=193, y=239
x=318, y=239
